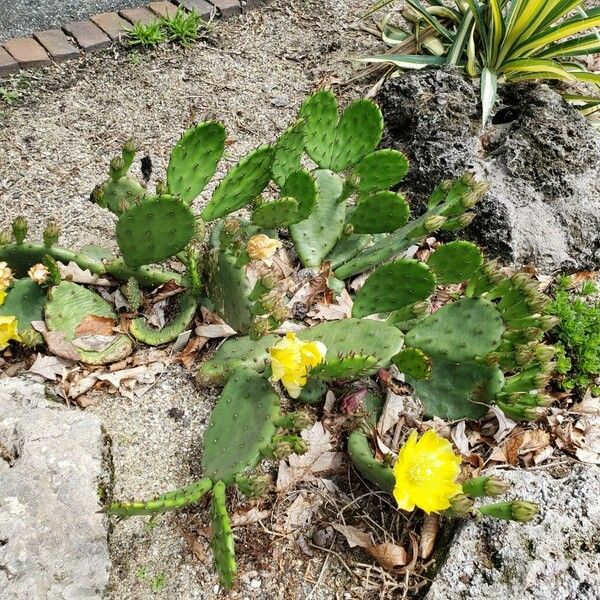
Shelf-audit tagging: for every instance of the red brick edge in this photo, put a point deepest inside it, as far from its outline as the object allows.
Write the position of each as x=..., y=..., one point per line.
x=100, y=31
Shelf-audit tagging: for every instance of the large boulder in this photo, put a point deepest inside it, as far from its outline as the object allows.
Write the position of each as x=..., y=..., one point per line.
x=53, y=540
x=555, y=557
x=539, y=155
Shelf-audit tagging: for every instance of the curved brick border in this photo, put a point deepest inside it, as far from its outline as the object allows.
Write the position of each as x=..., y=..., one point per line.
x=55, y=45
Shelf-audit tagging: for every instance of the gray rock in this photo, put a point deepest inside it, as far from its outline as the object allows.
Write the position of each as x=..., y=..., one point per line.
x=555, y=557
x=53, y=541
x=540, y=156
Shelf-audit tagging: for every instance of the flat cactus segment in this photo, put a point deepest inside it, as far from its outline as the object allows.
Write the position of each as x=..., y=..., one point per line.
x=194, y=159
x=241, y=425
x=360, y=336
x=278, y=213
x=361, y=455
x=347, y=248
x=458, y=391
x=68, y=306
x=301, y=186
x=394, y=286
x=380, y=170
x=21, y=257
x=154, y=230
x=455, y=262
x=185, y=496
x=222, y=542
x=142, y=331
x=344, y=367
x=413, y=362
x=25, y=301
x=460, y=331
x=234, y=353
x=358, y=132
x=313, y=392
x=316, y=236
x=320, y=115
x=288, y=153
x=381, y=212
x=242, y=184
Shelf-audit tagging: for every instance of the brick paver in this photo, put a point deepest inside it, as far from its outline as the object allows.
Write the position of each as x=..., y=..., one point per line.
x=138, y=15
x=163, y=9
x=88, y=35
x=57, y=44
x=228, y=8
x=112, y=24
x=8, y=64
x=202, y=7
x=27, y=52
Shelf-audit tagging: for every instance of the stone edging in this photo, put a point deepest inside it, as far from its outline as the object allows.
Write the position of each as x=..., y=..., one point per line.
x=44, y=48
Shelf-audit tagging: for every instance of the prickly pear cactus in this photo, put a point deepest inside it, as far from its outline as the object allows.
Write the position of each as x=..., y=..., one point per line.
x=25, y=301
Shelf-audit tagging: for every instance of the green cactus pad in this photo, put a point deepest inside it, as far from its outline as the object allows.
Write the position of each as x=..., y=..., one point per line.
x=234, y=353
x=394, y=286
x=194, y=159
x=313, y=392
x=344, y=367
x=380, y=170
x=361, y=455
x=381, y=212
x=241, y=425
x=142, y=331
x=460, y=331
x=316, y=236
x=364, y=337
x=458, y=390
x=288, y=153
x=222, y=542
x=118, y=195
x=347, y=248
x=154, y=230
x=413, y=362
x=68, y=306
x=185, y=496
x=242, y=184
x=455, y=262
x=320, y=115
x=25, y=301
x=303, y=187
x=278, y=213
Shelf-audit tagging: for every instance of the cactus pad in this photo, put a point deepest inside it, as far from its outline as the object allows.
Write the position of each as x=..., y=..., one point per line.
x=344, y=367
x=320, y=115
x=460, y=331
x=194, y=159
x=288, y=153
x=361, y=454
x=347, y=248
x=413, y=362
x=242, y=184
x=301, y=186
x=68, y=306
x=316, y=236
x=242, y=424
x=380, y=170
x=381, y=212
x=458, y=390
x=455, y=262
x=278, y=213
x=222, y=542
x=154, y=230
x=394, y=286
x=25, y=301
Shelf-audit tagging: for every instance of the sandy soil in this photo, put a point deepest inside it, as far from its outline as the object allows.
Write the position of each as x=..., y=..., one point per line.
x=55, y=144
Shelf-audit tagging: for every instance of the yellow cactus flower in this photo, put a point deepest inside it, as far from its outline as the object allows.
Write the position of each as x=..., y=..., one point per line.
x=291, y=359
x=8, y=331
x=2, y=297
x=262, y=247
x=38, y=273
x=6, y=276
x=426, y=472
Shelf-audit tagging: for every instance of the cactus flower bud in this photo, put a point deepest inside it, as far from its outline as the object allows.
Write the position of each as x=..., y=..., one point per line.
x=348, y=229
x=51, y=233
x=38, y=273
x=6, y=276
x=524, y=511
x=295, y=420
x=5, y=238
x=117, y=164
x=434, y=222
x=532, y=413
x=161, y=188
x=259, y=328
x=19, y=229
x=262, y=247
x=545, y=353
x=460, y=506
x=129, y=148
x=281, y=450
x=254, y=485
x=496, y=486
x=269, y=281
x=31, y=338
x=548, y=322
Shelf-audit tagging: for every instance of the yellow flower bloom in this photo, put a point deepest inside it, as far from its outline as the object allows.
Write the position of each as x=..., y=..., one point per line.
x=2, y=297
x=262, y=247
x=38, y=273
x=426, y=472
x=8, y=331
x=291, y=359
x=6, y=276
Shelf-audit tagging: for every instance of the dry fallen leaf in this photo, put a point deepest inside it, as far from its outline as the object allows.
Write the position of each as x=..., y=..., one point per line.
x=59, y=345
x=299, y=514
x=354, y=536
x=429, y=531
x=388, y=555
x=73, y=272
x=95, y=325
x=50, y=367
x=249, y=517
x=94, y=343
x=460, y=439
x=221, y=330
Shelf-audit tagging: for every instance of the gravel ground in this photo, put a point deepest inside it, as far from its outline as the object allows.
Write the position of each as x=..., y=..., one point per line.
x=55, y=144
x=23, y=17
